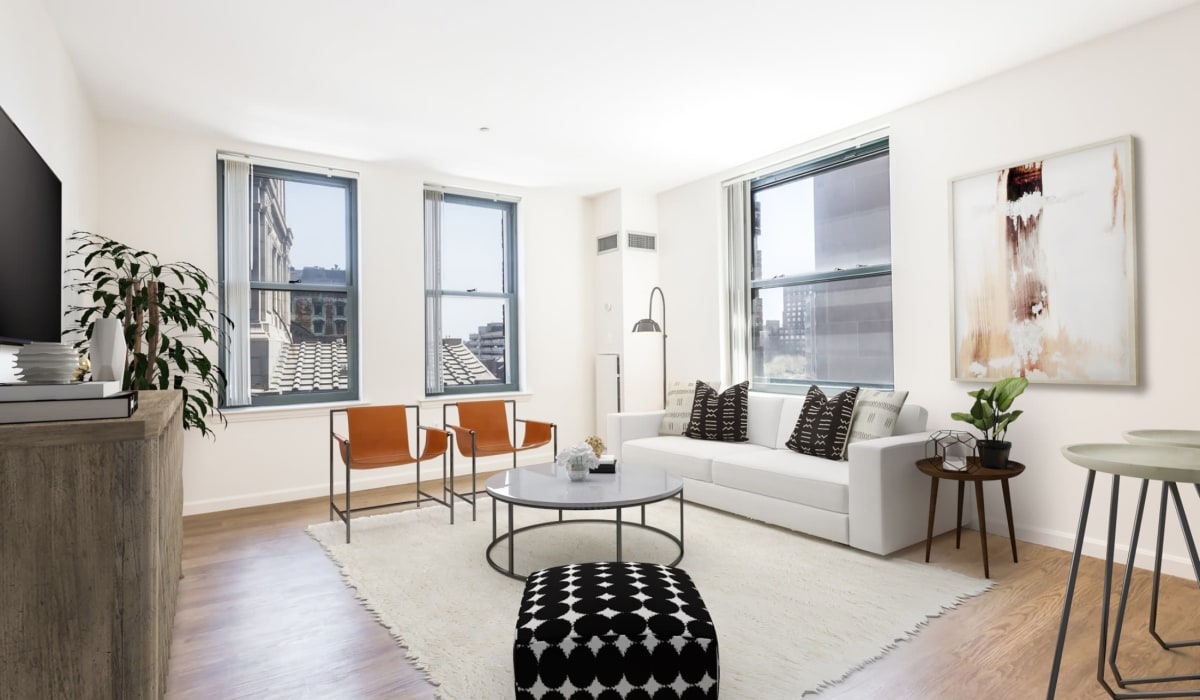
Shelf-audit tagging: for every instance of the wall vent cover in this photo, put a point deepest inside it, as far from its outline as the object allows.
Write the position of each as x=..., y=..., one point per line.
x=607, y=244
x=640, y=241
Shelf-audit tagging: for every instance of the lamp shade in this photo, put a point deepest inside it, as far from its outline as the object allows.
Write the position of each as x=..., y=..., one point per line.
x=647, y=325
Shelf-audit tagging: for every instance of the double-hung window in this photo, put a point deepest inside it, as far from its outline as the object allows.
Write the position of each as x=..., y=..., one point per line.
x=819, y=273
x=471, y=302
x=288, y=282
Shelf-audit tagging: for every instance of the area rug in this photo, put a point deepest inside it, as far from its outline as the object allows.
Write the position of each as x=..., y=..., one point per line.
x=793, y=614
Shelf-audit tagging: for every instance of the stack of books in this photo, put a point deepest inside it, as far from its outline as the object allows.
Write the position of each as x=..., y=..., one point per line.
x=34, y=403
x=606, y=465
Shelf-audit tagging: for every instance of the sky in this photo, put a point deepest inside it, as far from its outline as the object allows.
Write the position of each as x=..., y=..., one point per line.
x=472, y=258
x=472, y=239
x=786, y=236
x=317, y=216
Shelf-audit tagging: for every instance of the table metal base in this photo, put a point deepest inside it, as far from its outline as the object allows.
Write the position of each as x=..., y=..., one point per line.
x=1105, y=654
x=509, y=537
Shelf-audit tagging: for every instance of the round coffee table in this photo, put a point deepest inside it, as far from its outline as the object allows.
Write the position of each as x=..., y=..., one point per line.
x=546, y=486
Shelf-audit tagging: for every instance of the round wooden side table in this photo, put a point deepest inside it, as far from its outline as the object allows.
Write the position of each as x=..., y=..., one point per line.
x=977, y=474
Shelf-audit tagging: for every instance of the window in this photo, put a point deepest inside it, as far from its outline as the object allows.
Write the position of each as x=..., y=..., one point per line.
x=287, y=247
x=470, y=292
x=819, y=274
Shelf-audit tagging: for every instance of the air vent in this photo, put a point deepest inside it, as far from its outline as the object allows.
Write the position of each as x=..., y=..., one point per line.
x=640, y=241
x=607, y=244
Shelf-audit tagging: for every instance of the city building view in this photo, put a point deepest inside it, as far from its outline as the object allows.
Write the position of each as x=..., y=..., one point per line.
x=828, y=330
x=299, y=338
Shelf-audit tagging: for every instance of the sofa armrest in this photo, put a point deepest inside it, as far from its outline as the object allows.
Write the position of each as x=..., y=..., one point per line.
x=631, y=426
x=889, y=496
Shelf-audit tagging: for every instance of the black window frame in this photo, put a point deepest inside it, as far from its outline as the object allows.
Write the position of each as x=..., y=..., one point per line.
x=843, y=158
x=350, y=288
x=510, y=296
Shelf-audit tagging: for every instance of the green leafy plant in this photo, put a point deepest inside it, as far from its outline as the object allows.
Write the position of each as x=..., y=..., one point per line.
x=990, y=413
x=164, y=308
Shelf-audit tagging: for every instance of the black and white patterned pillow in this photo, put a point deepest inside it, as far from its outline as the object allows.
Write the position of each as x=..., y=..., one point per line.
x=719, y=416
x=824, y=424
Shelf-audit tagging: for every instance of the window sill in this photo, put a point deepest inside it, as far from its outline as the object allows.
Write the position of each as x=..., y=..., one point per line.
x=250, y=414
x=437, y=401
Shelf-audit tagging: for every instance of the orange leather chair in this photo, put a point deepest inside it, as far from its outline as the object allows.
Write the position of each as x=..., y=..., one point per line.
x=483, y=431
x=378, y=437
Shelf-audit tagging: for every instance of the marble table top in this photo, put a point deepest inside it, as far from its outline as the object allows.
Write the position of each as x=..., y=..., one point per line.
x=1159, y=462
x=1177, y=438
x=547, y=486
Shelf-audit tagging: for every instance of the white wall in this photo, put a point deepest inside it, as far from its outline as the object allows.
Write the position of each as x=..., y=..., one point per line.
x=1134, y=82
x=158, y=191
x=41, y=94
x=625, y=278
x=692, y=270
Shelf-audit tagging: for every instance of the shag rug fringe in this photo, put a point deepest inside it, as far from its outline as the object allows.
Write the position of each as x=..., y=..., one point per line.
x=793, y=614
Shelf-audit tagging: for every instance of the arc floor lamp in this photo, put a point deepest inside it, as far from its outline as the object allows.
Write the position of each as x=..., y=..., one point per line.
x=649, y=325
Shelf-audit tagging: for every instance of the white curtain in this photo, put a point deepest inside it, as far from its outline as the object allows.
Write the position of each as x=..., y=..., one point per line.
x=433, y=292
x=737, y=197
x=236, y=275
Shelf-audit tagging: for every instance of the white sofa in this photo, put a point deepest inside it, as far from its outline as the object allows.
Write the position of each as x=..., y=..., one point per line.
x=876, y=500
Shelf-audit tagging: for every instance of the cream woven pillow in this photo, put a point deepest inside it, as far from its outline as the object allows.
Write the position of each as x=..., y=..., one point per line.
x=679, y=408
x=875, y=414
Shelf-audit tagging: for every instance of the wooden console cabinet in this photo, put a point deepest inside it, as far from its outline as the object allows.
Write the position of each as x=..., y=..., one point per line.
x=90, y=553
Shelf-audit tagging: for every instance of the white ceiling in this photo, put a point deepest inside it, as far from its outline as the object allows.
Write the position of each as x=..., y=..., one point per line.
x=644, y=94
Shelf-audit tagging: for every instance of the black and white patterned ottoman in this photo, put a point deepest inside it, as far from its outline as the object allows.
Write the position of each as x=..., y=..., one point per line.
x=614, y=630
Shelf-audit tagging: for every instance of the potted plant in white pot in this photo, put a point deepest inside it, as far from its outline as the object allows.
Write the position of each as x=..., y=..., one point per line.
x=990, y=415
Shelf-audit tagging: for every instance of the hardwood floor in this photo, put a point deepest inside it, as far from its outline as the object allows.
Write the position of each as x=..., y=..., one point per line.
x=262, y=613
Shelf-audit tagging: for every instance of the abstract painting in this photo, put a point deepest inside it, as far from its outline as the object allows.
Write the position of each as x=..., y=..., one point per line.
x=1044, y=269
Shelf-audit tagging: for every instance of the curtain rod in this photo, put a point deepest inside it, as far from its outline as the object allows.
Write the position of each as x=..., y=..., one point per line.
x=495, y=197
x=813, y=154
x=287, y=164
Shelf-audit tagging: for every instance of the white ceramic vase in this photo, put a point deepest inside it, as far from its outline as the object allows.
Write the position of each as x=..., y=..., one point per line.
x=107, y=351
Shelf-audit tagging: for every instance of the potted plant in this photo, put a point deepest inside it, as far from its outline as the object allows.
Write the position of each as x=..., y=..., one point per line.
x=990, y=415
x=163, y=308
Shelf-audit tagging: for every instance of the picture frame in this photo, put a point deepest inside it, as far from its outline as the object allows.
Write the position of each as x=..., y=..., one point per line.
x=1044, y=269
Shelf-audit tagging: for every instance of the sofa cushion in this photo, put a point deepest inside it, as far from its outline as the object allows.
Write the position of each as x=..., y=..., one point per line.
x=789, y=413
x=824, y=423
x=875, y=414
x=788, y=476
x=681, y=455
x=762, y=419
x=719, y=416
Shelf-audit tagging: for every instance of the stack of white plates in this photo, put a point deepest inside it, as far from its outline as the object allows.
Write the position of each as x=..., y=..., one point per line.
x=47, y=363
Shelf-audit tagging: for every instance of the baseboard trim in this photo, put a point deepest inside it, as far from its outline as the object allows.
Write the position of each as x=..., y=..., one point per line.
x=1173, y=564
x=300, y=493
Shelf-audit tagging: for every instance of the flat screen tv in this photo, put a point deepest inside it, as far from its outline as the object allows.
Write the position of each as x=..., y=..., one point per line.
x=31, y=242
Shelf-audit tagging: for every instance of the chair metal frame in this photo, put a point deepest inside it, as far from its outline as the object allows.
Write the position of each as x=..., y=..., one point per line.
x=471, y=496
x=422, y=496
